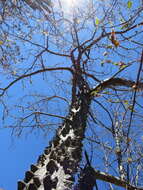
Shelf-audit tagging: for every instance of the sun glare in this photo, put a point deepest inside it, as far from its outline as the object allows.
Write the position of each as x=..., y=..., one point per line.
x=70, y=7
x=71, y=10
x=70, y=4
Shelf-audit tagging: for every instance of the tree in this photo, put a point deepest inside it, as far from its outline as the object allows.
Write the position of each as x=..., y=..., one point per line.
x=89, y=56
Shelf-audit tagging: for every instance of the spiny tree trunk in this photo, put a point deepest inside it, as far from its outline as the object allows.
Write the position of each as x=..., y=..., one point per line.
x=56, y=167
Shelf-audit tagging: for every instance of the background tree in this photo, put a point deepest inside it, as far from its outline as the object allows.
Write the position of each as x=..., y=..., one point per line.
x=100, y=41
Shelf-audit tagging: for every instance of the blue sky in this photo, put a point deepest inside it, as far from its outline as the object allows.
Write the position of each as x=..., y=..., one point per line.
x=17, y=154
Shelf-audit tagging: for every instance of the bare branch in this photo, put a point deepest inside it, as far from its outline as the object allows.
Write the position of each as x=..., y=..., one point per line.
x=44, y=5
x=136, y=88
x=48, y=114
x=32, y=74
x=114, y=180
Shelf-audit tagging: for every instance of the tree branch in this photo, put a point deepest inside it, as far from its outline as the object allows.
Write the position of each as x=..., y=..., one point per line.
x=112, y=82
x=135, y=92
x=114, y=180
x=103, y=35
x=31, y=74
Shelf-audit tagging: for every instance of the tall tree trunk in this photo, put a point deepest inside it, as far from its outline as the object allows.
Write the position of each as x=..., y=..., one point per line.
x=56, y=167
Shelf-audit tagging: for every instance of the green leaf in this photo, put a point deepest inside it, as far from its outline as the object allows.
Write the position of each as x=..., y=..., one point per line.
x=125, y=26
x=129, y=4
x=130, y=107
x=110, y=46
x=96, y=21
x=123, y=66
x=102, y=63
x=94, y=93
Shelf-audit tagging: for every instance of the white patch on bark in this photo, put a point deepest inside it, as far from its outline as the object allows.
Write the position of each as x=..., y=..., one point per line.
x=62, y=177
x=75, y=110
x=70, y=134
x=41, y=172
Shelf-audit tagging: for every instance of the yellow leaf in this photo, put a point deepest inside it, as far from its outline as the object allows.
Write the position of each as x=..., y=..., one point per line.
x=129, y=160
x=129, y=4
x=1, y=42
x=96, y=21
x=14, y=72
x=45, y=33
x=116, y=43
x=126, y=102
x=114, y=39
